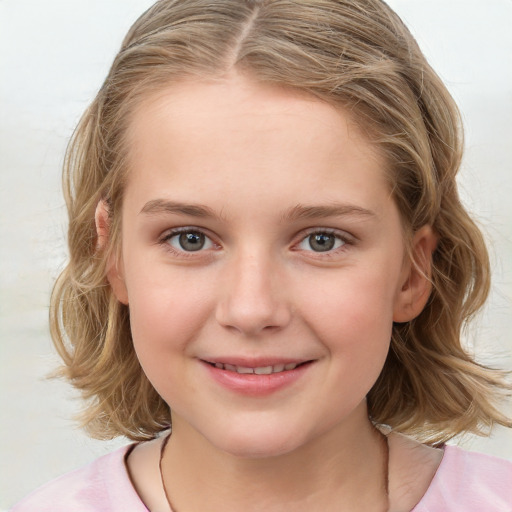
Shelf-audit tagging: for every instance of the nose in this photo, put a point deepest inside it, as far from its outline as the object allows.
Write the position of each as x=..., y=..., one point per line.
x=253, y=298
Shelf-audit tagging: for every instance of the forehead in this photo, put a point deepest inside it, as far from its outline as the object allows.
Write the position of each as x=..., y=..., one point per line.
x=233, y=135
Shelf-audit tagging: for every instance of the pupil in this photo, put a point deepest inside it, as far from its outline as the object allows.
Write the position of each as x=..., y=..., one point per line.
x=321, y=242
x=191, y=241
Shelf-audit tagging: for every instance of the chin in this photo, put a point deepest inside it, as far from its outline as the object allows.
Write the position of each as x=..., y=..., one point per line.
x=258, y=450
x=258, y=444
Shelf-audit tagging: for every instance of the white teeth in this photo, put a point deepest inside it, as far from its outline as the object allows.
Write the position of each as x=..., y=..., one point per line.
x=260, y=370
x=263, y=370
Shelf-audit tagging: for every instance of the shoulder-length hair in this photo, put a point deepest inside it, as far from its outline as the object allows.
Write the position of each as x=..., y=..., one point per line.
x=356, y=54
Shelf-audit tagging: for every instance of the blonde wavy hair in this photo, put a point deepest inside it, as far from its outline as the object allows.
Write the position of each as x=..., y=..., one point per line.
x=356, y=54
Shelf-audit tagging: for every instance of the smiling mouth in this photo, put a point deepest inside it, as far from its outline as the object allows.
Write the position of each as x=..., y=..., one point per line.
x=259, y=370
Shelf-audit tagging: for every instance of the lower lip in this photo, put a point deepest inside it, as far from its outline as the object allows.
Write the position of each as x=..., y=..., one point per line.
x=251, y=384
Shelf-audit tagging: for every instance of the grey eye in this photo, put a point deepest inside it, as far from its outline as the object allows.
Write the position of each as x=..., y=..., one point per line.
x=321, y=242
x=189, y=241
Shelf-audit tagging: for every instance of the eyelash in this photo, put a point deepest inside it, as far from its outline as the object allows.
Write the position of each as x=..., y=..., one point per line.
x=165, y=241
x=341, y=236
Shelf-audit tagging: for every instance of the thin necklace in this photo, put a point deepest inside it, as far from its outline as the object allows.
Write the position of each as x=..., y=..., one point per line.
x=162, y=450
x=385, y=444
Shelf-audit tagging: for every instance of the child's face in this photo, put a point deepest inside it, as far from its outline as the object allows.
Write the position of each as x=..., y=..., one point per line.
x=258, y=230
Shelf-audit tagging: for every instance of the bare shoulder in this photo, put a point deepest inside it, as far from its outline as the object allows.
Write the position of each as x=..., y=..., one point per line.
x=412, y=466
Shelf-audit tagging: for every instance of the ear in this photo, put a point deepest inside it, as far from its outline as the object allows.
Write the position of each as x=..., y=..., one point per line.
x=416, y=282
x=114, y=265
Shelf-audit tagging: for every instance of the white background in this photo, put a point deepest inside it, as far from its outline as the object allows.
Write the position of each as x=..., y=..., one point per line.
x=53, y=57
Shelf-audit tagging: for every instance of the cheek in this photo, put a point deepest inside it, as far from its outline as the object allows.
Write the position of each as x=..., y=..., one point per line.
x=167, y=309
x=354, y=297
x=354, y=315
x=164, y=322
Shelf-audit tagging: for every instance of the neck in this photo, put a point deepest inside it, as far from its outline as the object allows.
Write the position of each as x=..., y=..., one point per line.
x=346, y=468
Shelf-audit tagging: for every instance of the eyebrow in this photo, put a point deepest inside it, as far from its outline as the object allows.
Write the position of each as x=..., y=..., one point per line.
x=304, y=212
x=298, y=212
x=157, y=206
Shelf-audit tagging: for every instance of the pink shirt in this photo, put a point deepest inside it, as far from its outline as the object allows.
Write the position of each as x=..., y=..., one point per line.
x=464, y=482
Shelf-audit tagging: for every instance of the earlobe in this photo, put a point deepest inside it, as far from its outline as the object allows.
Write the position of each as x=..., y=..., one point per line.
x=416, y=282
x=113, y=269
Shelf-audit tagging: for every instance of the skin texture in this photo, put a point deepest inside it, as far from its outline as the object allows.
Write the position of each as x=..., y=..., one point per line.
x=258, y=170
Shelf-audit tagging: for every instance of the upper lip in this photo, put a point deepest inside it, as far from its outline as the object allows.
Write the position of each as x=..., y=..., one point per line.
x=254, y=362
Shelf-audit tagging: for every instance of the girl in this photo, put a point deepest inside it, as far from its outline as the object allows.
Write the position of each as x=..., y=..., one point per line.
x=270, y=259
